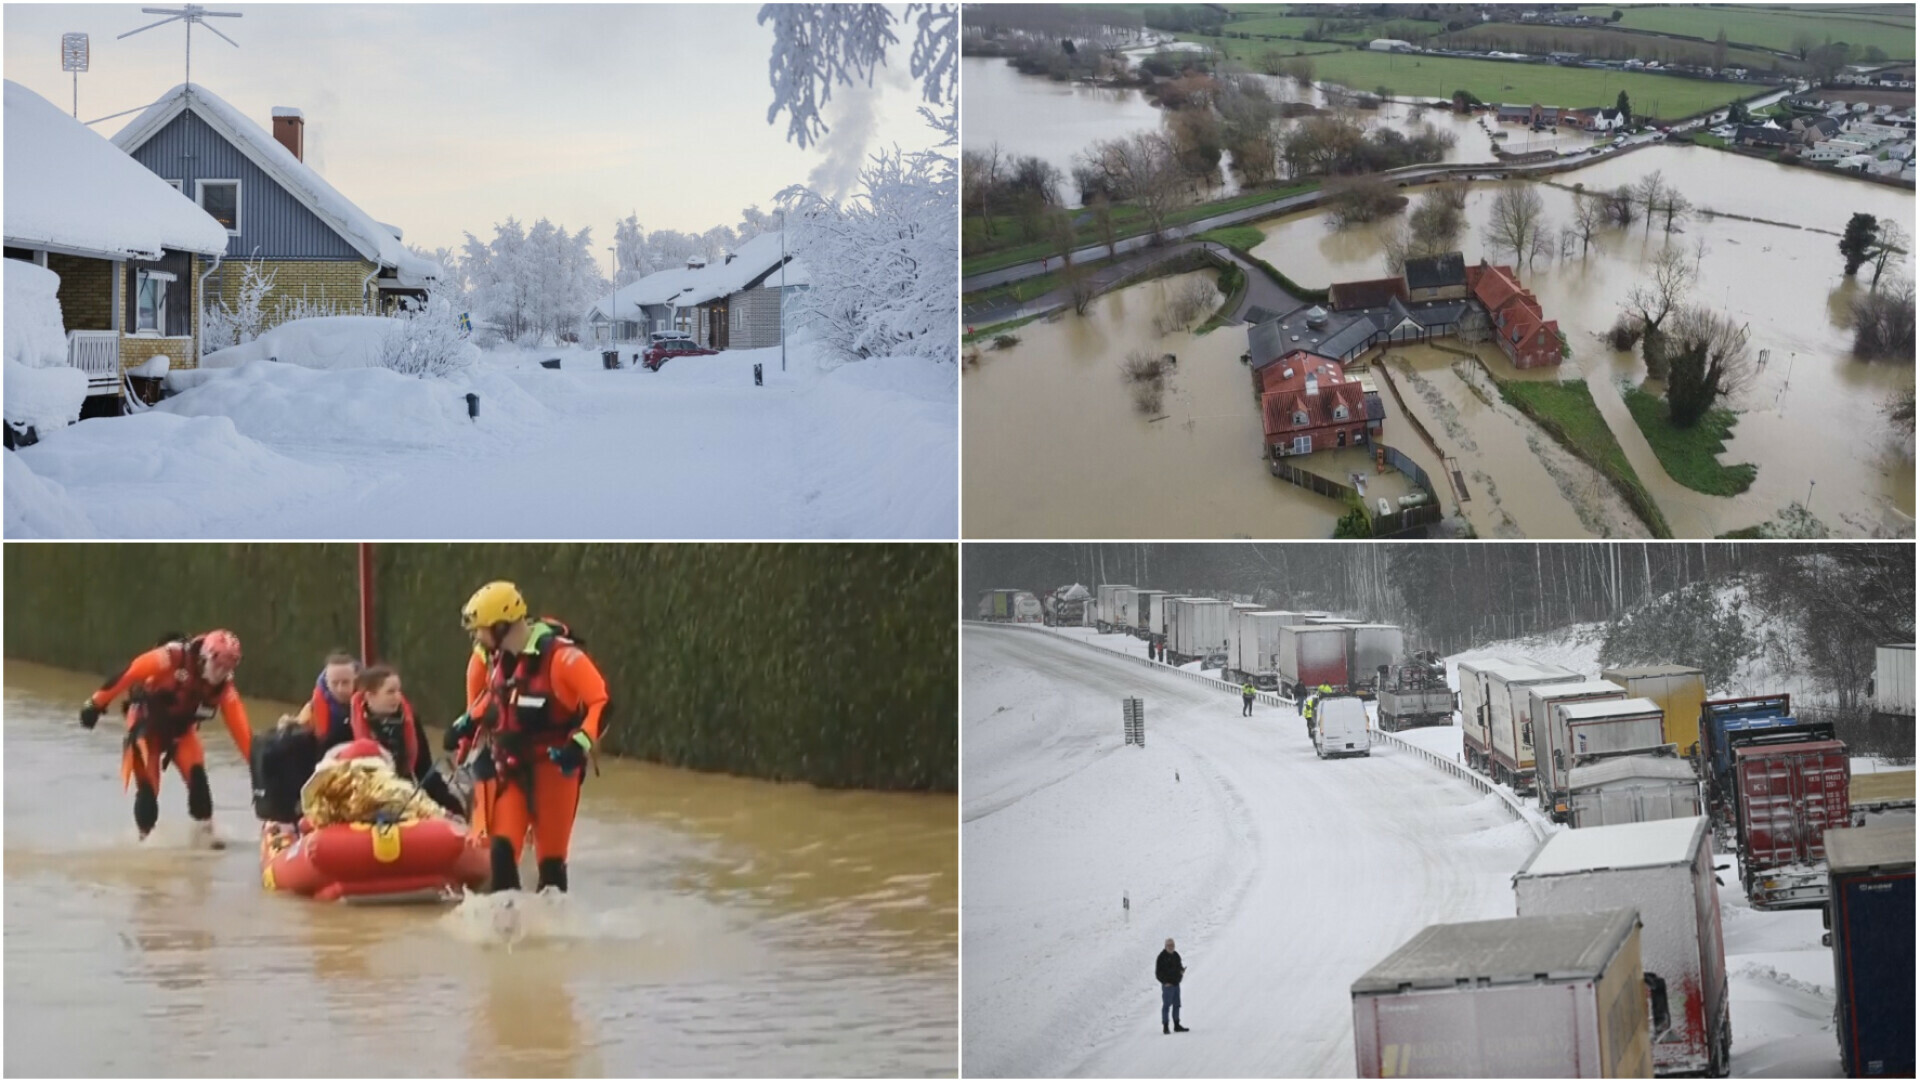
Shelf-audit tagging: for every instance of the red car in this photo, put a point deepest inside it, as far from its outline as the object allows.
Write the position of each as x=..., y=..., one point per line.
x=667, y=350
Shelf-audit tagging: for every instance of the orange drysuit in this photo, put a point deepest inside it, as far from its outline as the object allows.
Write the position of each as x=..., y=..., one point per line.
x=528, y=703
x=167, y=694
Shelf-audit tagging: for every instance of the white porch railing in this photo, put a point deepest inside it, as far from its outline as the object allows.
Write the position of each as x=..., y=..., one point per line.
x=96, y=352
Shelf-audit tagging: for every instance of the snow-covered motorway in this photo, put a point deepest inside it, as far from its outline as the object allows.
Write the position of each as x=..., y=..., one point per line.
x=1282, y=877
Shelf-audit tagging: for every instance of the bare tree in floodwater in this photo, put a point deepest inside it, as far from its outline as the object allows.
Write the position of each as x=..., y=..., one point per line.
x=1140, y=168
x=1655, y=299
x=1649, y=192
x=1589, y=217
x=1708, y=359
x=1082, y=288
x=1517, y=219
x=1883, y=322
x=1674, y=208
x=1888, y=241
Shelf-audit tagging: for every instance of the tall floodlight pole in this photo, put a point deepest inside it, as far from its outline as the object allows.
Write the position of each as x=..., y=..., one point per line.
x=613, y=300
x=190, y=14
x=73, y=57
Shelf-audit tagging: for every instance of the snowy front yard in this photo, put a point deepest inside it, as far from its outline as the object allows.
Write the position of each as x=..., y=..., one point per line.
x=271, y=450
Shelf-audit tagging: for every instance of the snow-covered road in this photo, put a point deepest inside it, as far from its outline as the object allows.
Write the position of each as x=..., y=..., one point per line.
x=695, y=450
x=1282, y=877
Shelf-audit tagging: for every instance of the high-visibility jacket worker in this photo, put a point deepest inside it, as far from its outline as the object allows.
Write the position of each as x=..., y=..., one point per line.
x=170, y=690
x=536, y=704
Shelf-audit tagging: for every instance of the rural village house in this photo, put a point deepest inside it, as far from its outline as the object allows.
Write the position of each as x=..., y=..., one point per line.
x=735, y=303
x=274, y=207
x=131, y=252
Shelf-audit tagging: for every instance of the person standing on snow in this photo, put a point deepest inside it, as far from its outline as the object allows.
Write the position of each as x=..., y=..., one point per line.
x=1169, y=970
x=167, y=689
x=1246, y=700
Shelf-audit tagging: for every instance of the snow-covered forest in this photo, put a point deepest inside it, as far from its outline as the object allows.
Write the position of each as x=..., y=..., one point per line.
x=1827, y=605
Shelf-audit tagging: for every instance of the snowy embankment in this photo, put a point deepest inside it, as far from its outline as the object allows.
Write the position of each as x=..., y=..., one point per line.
x=1060, y=817
x=1282, y=877
x=694, y=450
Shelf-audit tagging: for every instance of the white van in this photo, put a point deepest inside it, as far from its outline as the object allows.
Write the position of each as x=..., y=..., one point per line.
x=1340, y=727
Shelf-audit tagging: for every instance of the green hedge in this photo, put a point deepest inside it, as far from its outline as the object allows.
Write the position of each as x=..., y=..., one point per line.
x=835, y=664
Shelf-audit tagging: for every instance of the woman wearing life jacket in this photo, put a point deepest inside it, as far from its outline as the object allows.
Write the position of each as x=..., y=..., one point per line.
x=536, y=705
x=325, y=711
x=379, y=711
x=170, y=690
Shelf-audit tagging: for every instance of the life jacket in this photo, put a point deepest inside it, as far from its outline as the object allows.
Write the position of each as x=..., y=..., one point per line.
x=1247, y=690
x=404, y=745
x=172, y=706
x=520, y=686
x=330, y=715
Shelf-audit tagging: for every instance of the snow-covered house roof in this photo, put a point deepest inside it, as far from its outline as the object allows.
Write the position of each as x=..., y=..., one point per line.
x=686, y=286
x=737, y=271
x=70, y=190
x=377, y=243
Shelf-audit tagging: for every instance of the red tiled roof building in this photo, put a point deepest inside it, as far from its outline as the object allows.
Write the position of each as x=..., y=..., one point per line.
x=1525, y=334
x=1308, y=403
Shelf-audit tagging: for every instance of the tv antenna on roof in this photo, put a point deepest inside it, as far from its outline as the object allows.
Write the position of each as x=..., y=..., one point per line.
x=190, y=14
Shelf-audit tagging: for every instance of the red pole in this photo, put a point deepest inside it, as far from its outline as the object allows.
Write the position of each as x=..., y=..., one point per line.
x=366, y=603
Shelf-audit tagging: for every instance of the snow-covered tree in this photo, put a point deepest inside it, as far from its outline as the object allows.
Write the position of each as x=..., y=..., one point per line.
x=428, y=342
x=535, y=282
x=883, y=262
x=224, y=324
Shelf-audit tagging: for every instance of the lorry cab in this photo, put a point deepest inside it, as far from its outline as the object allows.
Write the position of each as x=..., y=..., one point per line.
x=1340, y=726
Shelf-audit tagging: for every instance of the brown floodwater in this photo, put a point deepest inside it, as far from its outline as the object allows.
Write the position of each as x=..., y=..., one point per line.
x=717, y=926
x=1056, y=447
x=1812, y=413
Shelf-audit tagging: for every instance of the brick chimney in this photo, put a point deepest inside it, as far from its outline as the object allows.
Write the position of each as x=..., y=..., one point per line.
x=290, y=130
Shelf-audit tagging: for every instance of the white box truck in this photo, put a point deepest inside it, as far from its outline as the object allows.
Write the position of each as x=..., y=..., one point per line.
x=1584, y=732
x=1370, y=647
x=1634, y=787
x=1143, y=608
x=1107, y=606
x=1510, y=755
x=1471, y=678
x=1160, y=614
x=1541, y=698
x=1664, y=869
x=1340, y=727
x=1198, y=629
x=1256, y=649
x=1547, y=995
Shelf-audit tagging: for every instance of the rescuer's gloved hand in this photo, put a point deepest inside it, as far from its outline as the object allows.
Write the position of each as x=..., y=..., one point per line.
x=457, y=732
x=89, y=715
x=571, y=756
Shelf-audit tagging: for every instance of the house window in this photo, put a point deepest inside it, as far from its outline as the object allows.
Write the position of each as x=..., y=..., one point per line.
x=221, y=200
x=1339, y=412
x=150, y=301
x=175, y=184
x=1299, y=419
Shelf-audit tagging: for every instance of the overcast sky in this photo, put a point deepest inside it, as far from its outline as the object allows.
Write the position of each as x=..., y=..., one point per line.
x=444, y=118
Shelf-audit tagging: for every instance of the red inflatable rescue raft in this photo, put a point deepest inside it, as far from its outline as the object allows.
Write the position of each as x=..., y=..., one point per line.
x=412, y=860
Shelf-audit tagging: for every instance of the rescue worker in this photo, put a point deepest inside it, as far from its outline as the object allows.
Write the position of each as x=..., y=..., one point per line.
x=378, y=710
x=170, y=689
x=326, y=710
x=1306, y=710
x=1246, y=699
x=536, y=704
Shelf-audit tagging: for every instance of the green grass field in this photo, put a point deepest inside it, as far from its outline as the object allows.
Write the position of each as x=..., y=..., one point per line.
x=1250, y=53
x=1296, y=25
x=1566, y=410
x=1495, y=81
x=1601, y=42
x=1691, y=455
x=1772, y=29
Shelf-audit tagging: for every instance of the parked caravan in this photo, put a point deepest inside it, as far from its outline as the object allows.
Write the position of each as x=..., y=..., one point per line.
x=1664, y=869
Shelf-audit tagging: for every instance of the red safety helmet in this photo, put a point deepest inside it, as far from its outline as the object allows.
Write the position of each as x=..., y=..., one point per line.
x=221, y=647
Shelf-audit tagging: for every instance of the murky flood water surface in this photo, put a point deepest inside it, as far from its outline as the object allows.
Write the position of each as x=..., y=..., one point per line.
x=1056, y=445
x=1812, y=413
x=716, y=926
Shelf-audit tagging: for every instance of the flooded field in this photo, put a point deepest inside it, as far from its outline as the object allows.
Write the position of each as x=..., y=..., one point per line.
x=717, y=927
x=1056, y=446
x=1812, y=414
x=1030, y=114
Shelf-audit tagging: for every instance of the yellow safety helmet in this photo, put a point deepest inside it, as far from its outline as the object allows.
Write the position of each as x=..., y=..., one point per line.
x=495, y=602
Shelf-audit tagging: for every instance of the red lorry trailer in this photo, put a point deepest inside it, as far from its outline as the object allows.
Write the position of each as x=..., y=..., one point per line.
x=1790, y=795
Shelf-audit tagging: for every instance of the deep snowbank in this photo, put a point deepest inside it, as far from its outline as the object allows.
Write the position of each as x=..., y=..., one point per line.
x=694, y=450
x=40, y=390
